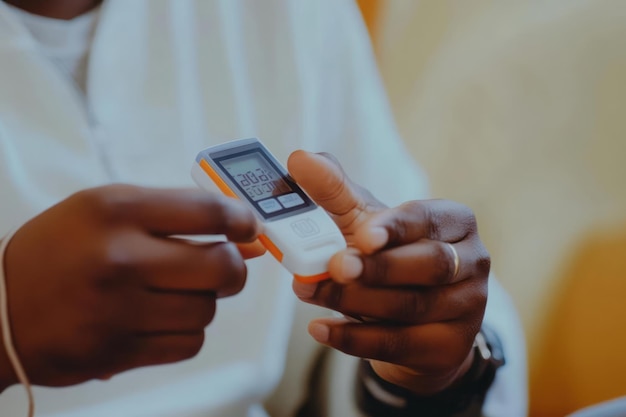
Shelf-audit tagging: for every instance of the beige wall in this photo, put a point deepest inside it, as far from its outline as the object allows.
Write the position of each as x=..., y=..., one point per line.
x=518, y=109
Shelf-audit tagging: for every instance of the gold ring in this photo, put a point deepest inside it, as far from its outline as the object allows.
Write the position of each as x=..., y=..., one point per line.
x=457, y=261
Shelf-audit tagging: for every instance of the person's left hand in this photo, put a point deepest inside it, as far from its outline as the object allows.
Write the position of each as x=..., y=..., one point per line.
x=422, y=303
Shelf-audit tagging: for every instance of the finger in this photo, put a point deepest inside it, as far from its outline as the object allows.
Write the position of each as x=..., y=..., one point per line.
x=431, y=219
x=321, y=176
x=406, y=306
x=218, y=268
x=431, y=348
x=175, y=265
x=161, y=349
x=170, y=312
x=251, y=250
x=425, y=262
x=178, y=211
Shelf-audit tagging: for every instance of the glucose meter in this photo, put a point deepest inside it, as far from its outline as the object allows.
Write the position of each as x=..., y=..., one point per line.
x=297, y=232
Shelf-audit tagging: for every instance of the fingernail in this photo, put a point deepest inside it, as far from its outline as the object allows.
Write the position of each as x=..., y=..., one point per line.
x=378, y=237
x=319, y=331
x=351, y=267
x=303, y=290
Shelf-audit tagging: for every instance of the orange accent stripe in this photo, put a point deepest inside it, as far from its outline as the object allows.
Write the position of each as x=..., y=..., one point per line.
x=310, y=279
x=271, y=247
x=224, y=188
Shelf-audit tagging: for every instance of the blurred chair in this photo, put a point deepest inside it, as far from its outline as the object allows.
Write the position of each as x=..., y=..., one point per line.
x=582, y=354
x=518, y=110
x=371, y=14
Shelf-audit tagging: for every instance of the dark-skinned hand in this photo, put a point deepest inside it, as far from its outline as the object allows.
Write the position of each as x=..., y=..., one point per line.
x=98, y=284
x=397, y=274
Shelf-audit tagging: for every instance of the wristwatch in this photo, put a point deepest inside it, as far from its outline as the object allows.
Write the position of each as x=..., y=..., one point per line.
x=377, y=397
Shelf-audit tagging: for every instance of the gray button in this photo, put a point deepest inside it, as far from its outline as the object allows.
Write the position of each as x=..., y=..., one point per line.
x=305, y=227
x=270, y=205
x=290, y=200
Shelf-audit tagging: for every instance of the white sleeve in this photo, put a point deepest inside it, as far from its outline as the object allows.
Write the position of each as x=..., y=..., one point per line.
x=357, y=126
x=508, y=396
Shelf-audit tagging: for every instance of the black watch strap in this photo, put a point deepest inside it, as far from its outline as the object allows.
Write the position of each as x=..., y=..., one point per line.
x=377, y=397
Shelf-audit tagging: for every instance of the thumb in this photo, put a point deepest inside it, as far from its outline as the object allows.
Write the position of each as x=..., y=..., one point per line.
x=323, y=178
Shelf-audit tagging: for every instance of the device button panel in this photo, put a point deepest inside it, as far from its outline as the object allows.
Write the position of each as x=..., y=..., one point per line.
x=290, y=200
x=270, y=205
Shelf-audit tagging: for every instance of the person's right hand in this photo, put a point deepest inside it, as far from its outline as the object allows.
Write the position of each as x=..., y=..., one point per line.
x=96, y=284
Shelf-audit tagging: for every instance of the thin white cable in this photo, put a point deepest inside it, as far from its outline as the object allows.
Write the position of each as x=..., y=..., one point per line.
x=7, y=339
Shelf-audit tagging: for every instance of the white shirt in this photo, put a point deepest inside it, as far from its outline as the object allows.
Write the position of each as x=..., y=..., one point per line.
x=64, y=42
x=167, y=78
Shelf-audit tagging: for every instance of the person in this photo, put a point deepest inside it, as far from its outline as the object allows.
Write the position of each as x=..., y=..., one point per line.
x=103, y=106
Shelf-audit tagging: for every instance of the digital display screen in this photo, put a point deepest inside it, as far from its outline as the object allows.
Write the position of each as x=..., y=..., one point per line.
x=256, y=176
x=253, y=174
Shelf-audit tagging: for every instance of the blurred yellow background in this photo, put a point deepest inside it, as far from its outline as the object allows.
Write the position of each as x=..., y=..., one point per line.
x=518, y=109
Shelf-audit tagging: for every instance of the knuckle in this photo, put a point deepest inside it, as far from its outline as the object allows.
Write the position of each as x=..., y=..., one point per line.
x=434, y=223
x=345, y=336
x=394, y=347
x=482, y=264
x=410, y=213
x=233, y=216
x=414, y=208
x=246, y=223
x=108, y=253
x=375, y=268
x=112, y=201
x=409, y=307
x=333, y=299
x=465, y=212
x=469, y=216
x=233, y=267
x=444, y=264
x=227, y=254
x=464, y=216
x=473, y=327
x=116, y=260
x=471, y=304
x=193, y=314
x=219, y=211
x=445, y=215
x=206, y=316
x=402, y=229
x=192, y=346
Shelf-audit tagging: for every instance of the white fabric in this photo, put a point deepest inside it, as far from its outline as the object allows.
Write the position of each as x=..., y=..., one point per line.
x=65, y=42
x=613, y=408
x=508, y=397
x=167, y=78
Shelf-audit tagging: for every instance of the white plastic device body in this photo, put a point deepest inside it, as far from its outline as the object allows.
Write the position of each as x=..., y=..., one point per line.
x=297, y=232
